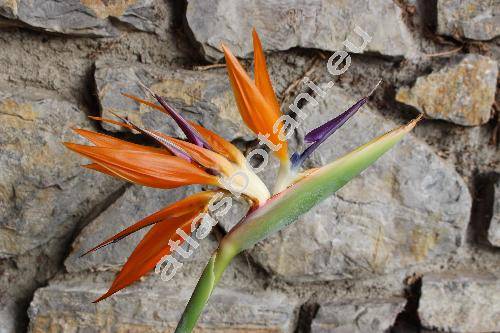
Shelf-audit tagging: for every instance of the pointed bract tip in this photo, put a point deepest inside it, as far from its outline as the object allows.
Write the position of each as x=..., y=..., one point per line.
x=145, y=88
x=83, y=254
x=106, y=295
x=116, y=115
x=375, y=88
x=415, y=121
x=125, y=121
x=94, y=249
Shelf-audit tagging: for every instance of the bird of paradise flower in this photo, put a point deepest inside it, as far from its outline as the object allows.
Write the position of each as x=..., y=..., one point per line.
x=208, y=159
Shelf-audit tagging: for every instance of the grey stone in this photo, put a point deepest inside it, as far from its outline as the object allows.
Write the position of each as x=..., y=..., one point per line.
x=462, y=93
x=357, y=316
x=82, y=18
x=39, y=175
x=468, y=148
x=139, y=14
x=460, y=302
x=63, y=64
x=494, y=229
x=409, y=209
x=472, y=19
x=201, y=96
x=155, y=306
x=21, y=275
x=285, y=24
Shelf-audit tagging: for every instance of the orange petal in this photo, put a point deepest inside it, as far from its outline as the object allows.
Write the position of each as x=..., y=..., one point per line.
x=100, y=168
x=149, y=251
x=120, y=174
x=207, y=158
x=256, y=112
x=220, y=145
x=103, y=140
x=133, y=177
x=261, y=76
x=146, y=168
x=194, y=203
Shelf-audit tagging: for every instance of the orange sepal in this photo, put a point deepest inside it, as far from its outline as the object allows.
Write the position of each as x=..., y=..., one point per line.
x=100, y=168
x=256, y=112
x=261, y=75
x=149, y=251
x=194, y=203
x=103, y=140
x=216, y=142
x=219, y=144
x=146, y=168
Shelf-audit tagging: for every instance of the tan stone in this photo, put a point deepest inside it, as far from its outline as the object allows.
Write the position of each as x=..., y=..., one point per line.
x=460, y=302
x=462, y=94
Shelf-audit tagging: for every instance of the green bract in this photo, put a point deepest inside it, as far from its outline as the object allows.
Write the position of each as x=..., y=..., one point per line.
x=282, y=210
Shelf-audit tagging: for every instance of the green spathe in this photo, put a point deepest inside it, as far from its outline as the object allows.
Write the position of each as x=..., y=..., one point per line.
x=283, y=209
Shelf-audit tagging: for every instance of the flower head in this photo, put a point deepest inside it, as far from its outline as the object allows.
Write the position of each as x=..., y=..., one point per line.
x=208, y=159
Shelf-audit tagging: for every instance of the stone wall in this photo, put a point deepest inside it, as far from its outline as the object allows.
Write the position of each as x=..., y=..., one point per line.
x=412, y=245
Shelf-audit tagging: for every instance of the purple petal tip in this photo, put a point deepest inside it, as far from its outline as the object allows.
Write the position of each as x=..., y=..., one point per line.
x=318, y=135
x=192, y=135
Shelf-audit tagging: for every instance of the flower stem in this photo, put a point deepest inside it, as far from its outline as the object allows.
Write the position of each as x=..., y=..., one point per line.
x=206, y=284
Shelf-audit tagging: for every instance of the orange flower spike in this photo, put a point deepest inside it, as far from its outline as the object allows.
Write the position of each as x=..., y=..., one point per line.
x=261, y=75
x=103, y=140
x=146, y=168
x=257, y=113
x=194, y=203
x=150, y=250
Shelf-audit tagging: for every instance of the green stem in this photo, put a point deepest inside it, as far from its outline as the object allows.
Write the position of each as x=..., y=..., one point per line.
x=206, y=284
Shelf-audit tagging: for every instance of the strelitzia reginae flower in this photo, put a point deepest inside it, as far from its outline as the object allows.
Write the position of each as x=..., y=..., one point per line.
x=206, y=158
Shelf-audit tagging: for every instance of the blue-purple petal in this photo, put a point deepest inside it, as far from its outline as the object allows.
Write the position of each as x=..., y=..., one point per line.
x=324, y=131
x=172, y=147
x=319, y=135
x=191, y=133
